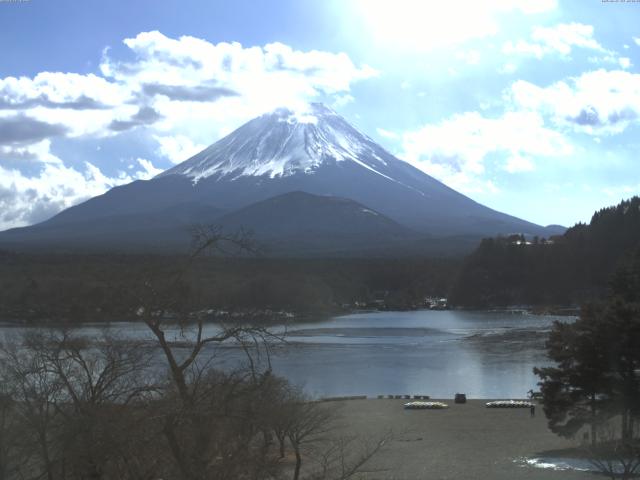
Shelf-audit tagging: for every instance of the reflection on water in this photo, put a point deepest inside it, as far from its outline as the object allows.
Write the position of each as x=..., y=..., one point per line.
x=437, y=353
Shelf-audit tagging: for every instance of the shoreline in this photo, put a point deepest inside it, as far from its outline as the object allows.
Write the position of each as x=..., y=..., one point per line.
x=307, y=317
x=411, y=398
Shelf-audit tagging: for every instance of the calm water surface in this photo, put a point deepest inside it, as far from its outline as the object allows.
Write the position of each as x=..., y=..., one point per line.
x=437, y=353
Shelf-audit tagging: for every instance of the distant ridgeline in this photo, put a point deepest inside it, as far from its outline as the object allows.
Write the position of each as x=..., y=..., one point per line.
x=562, y=270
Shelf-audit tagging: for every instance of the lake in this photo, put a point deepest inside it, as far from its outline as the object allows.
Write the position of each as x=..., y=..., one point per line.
x=436, y=353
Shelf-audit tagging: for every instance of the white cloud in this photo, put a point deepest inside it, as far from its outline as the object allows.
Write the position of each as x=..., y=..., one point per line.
x=470, y=57
x=81, y=104
x=637, y=40
x=36, y=151
x=243, y=82
x=598, y=102
x=26, y=199
x=342, y=100
x=61, y=91
x=560, y=39
x=456, y=150
x=508, y=68
x=528, y=7
x=387, y=133
x=563, y=37
x=620, y=192
x=148, y=169
x=612, y=58
x=187, y=86
x=177, y=148
x=259, y=78
x=517, y=163
x=625, y=62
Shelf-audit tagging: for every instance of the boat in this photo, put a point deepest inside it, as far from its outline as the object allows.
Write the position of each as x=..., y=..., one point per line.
x=509, y=404
x=425, y=405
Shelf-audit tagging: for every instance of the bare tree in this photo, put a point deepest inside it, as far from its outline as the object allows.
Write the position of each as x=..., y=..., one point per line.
x=615, y=456
x=7, y=431
x=35, y=395
x=307, y=424
x=209, y=417
x=345, y=457
x=278, y=395
x=73, y=401
x=99, y=409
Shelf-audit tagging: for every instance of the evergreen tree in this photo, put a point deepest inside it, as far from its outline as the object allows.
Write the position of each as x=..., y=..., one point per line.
x=568, y=269
x=597, y=371
x=578, y=390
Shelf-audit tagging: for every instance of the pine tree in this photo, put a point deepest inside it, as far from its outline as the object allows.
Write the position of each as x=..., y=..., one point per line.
x=597, y=371
x=578, y=390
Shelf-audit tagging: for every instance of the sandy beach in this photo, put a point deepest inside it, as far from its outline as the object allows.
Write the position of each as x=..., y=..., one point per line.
x=465, y=441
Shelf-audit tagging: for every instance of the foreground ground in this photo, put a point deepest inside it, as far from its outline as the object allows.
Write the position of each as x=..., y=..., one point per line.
x=466, y=441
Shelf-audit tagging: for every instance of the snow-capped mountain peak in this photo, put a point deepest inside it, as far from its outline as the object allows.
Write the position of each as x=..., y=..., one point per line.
x=284, y=143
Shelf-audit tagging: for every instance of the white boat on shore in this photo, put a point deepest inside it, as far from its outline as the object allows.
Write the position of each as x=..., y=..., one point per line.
x=425, y=405
x=509, y=404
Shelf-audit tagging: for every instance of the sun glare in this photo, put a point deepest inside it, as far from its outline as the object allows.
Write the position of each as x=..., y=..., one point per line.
x=425, y=25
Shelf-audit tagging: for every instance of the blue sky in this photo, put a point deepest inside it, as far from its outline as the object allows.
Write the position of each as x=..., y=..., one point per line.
x=530, y=107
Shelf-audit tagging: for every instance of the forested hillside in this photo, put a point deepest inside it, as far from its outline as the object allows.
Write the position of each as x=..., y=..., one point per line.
x=562, y=270
x=78, y=288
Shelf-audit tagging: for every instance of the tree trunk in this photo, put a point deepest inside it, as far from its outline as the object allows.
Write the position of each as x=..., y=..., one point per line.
x=266, y=439
x=45, y=455
x=175, y=449
x=296, y=473
x=281, y=439
x=593, y=420
x=93, y=471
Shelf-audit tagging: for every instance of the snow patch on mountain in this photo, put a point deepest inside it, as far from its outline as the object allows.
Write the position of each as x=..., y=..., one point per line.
x=283, y=143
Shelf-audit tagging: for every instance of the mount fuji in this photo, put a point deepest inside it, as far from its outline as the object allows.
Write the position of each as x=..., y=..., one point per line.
x=305, y=183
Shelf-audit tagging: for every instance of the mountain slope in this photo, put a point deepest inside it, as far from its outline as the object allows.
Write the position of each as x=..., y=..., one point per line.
x=157, y=231
x=321, y=153
x=300, y=222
